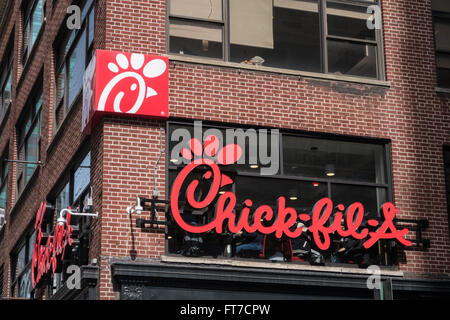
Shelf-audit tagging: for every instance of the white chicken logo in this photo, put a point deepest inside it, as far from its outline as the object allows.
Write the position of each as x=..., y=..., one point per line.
x=152, y=69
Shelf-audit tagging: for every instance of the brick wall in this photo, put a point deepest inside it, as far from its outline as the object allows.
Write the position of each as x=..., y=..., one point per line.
x=124, y=151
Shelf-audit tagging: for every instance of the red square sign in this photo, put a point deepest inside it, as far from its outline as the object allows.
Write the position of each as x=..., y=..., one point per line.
x=127, y=84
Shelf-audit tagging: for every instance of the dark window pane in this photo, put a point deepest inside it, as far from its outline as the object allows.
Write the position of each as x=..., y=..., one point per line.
x=25, y=285
x=440, y=5
x=63, y=199
x=3, y=195
x=443, y=70
x=21, y=259
x=77, y=66
x=348, y=21
x=82, y=177
x=351, y=58
x=91, y=26
x=371, y=198
x=300, y=195
x=197, y=39
x=320, y=158
x=295, y=39
x=442, y=32
x=37, y=19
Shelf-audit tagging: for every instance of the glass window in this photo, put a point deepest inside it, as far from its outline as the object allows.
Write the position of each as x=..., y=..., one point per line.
x=82, y=177
x=73, y=51
x=279, y=33
x=33, y=17
x=21, y=269
x=311, y=169
x=74, y=194
x=3, y=178
x=441, y=19
x=335, y=160
x=29, y=140
x=5, y=83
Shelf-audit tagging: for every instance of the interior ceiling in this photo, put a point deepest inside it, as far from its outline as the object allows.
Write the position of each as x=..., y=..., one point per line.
x=3, y=7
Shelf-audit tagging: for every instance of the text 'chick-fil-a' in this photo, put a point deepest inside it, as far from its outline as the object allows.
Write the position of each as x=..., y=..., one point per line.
x=286, y=217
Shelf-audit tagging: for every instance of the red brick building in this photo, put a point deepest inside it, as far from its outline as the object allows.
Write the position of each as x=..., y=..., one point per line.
x=355, y=104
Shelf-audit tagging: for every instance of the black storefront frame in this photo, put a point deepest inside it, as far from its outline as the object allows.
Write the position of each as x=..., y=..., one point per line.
x=387, y=146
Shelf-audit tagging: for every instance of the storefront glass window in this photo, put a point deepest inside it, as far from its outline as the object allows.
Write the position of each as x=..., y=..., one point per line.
x=308, y=170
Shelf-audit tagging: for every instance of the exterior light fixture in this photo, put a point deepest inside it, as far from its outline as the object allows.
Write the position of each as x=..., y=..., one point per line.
x=329, y=170
x=137, y=208
x=254, y=166
x=315, y=184
x=62, y=220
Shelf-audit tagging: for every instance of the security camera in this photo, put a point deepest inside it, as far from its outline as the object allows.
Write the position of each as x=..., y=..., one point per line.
x=138, y=208
x=61, y=221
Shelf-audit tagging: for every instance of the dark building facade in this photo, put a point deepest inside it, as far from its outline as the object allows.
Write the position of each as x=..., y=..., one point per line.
x=287, y=103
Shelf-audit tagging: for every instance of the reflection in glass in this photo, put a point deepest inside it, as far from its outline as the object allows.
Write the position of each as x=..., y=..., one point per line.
x=318, y=158
x=350, y=58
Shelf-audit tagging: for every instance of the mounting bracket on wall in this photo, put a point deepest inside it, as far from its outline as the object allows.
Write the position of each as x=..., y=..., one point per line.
x=417, y=226
x=148, y=204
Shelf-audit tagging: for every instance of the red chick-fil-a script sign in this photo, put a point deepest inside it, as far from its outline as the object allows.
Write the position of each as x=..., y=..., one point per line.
x=125, y=83
x=45, y=257
x=286, y=217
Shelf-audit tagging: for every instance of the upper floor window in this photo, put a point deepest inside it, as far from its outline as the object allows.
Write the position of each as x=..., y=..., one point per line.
x=73, y=51
x=5, y=86
x=3, y=178
x=21, y=262
x=33, y=18
x=311, y=35
x=441, y=19
x=29, y=130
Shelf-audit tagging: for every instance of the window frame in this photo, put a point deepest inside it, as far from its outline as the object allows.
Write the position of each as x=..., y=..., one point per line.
x=17, y=276
x=33, y=115
x=443, y=16
x=4, y=173
x=5, y=78
x=64, y=36
x=27, y=21
x=57, y=280
x=388, y=185
x=323, y=30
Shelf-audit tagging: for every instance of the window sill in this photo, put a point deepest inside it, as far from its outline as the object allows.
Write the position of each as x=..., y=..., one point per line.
x=305, y=74
x=443, y=90
x=278, y=265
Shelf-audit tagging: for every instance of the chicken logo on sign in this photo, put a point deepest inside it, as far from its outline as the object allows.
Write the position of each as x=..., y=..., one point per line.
x=126, y=84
